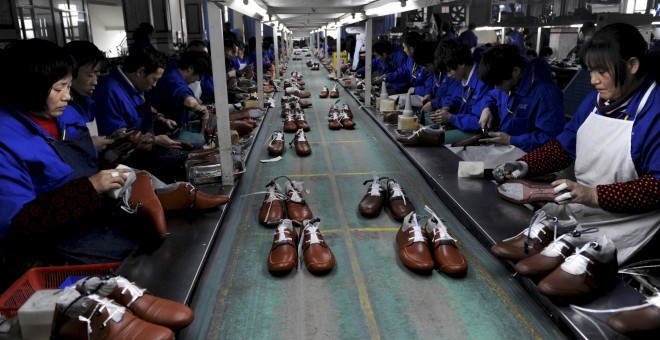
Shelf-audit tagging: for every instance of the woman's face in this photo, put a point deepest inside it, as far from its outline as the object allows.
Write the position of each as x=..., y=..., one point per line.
x=58, y=98
x=604, y=83
x=408, y=49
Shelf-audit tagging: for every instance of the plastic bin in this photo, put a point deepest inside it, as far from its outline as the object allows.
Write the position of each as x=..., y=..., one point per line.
x=46, y=278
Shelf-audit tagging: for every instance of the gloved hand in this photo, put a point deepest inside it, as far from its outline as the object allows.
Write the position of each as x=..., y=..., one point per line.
x=516, y=169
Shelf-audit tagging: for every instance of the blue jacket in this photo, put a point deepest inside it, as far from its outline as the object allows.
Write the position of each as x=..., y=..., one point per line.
x=416, y=76
x=84, y=106
x=29, y=166
x=441, y=88
x=645, y=139
x=253, y=60
x=466, y=102
x=208, y=89
x=169, y=94
x=533, y=114
x=469, y=38
x=120, y=105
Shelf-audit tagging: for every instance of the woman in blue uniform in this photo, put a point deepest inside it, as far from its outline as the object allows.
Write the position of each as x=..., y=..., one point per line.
x=418, y=78
x=613, y=140
x=387, y=60
x=49, y=182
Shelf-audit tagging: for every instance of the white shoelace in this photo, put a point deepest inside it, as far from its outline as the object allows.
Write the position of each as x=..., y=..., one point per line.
x=652, y=301
x=535, y=227
x=416, y=132
x=440, y=232
x=301, y=116
x=416, y=230
x=375, y=185
x=300, y=136
x=134, y=290
x=577, y=263
x=281, y=235
x=277, y=136
x=555, y=248
x=115, y=311
x=289, y=117
x=397, y=191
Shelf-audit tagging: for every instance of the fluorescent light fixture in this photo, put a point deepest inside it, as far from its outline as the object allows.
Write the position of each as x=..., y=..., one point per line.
x=489, y=28
x=351, y=18
x=386, y=7
x=253, y=10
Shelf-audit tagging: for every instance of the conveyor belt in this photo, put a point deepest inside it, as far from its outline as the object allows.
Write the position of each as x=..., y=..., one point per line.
x=369, y=293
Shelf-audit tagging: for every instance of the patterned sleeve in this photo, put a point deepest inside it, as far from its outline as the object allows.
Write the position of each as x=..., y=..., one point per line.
x=50, y=211
x=633, y=197
x=550, y=157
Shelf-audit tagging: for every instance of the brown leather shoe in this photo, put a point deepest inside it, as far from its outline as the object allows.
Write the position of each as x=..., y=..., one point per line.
x=446, y=255
x=392, y=117
x=316, y=253
x=324, y=92
x=530, y=241
x=641, y=322
x=346, y=122
x=286, y=109
x=272, y=208
x=348, y=111
x=144, y=199
x=472, y=140
x=543, y=263
x=413, y=246
x=334, y=93
x=283, y=254
x=520, y=191
x=305, y=104
x=300, y=144
x=296, y=207
x=276, y=144
x=372, y=202
x=103, y=318
x=426, y=135
x=168, y=313
x=333, y=121
x=185, y=196
x=398, y=202
x=585, y=275
x=242, y=127
x=301, y=122
x=290, y=125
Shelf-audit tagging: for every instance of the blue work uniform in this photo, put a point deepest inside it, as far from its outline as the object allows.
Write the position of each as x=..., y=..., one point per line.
x=532, y=114
x=466, y=102
x=645, y=138
x=83, y=106
x=392, y=64
x=208, y=89
x=468, y=38
x=253, y=60
x=442, y=86
x=33, y=162
x=517, y=39
x=120, y=105
x=416, y=76
x=168, y=95
x=447, y=36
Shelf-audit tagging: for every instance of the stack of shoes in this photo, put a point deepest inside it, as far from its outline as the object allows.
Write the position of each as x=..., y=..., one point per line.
x=372, y=202
x=642, y=321
x=398, y=202
x=184, y=196
x=589, y=272
x=425, y=135
x=272, y=208
x=413, y=246
x=276, y=144
x=312, y=248
x=334, y=93
x=283, y=256
x=521, y=191
x=300, y=144
x=324, y=92
x=543, y=263
x=143, y=200
x=446, y=255
x=290, y=124
x=542, y=230
x=115, y=308
x=296, y=207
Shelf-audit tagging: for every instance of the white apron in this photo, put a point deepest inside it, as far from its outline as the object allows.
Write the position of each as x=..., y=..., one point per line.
x=603, y=157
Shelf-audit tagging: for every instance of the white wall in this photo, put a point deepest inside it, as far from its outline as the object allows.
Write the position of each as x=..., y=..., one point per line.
x=107, y=28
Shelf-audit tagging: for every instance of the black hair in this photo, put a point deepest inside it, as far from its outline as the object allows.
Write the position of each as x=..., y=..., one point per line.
x=612, y=46
x=423, y=53
x=230, y=44
x=447, y=26
x=149, y=58
x=84, y=53
x=450, y=54
x=497, y=63
x=383, y=46
x=411, y=38
x=142, y=31
x=194, y=44
x=588, y=28
x=531, y=54
x=33, y=66
x=199, y=60
x=472, y=26
x=545, y=51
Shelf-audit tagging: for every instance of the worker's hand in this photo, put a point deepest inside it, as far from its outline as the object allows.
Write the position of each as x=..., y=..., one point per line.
x=441, y=116
x=486, y=119
x=411, y=90
x=572, y=192
x=100, y=142
x=427, y=107
x=106, y=180
x=166, y=142
x=501, y=138
x=510, y=170
x=168, y=123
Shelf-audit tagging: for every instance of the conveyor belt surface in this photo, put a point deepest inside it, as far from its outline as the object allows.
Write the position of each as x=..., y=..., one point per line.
x=369, y=293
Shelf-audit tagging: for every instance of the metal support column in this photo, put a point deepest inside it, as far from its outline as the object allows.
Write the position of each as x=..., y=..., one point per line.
x=258, y=27
x=367, y=61
x=277, y=55
x=325, y=45
x=338, y=52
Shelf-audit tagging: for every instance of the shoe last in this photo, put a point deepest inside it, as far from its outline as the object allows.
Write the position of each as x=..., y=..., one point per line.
x=183, y=195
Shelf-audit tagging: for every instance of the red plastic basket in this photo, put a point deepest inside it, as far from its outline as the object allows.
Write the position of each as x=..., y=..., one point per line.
x=46, y=278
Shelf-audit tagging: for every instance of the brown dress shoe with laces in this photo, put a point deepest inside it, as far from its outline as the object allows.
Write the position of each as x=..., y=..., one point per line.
x=398, y=202
x=144, y=199
x=324, y=92
x=316, y=253
x=372, y=202
x=283, y=254
x=446, y=255
x=103, y=318
x=276, y=144
x=346, y=122
x=290, y=124
x=413, y=246
x=272, y=208
x=640, y=323
x=242, y=127
x=300, y=144
x=333, y=121
x=348, y=111
x=186, y=196
x=334, y=93
x=296, y=207
x=543, y=263
x=301, y=122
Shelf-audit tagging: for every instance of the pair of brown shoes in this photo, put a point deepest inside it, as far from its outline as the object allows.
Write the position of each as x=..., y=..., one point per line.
x=278, y=206
x=324, y=92
x=334, y=93
x=288, y=246
x=422, y=249
x=300, y=144
x=376, y=197
x=337, y=121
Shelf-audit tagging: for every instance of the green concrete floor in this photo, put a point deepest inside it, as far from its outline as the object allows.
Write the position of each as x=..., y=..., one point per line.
x=369, y=293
